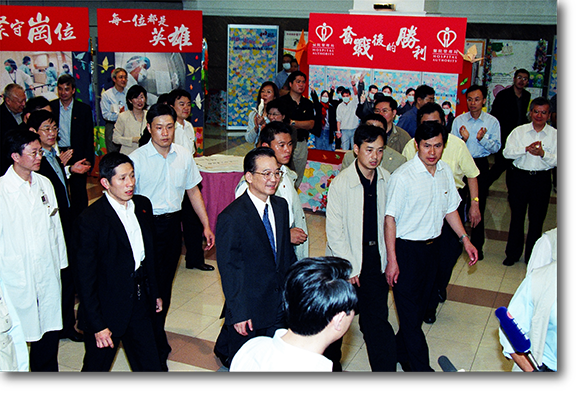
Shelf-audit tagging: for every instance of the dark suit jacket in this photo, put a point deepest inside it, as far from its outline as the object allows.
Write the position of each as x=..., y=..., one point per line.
x=61, y=192
x=104, y=265
x=7, y=123
x=505, y=109
x=81, y=130
x=252, y=280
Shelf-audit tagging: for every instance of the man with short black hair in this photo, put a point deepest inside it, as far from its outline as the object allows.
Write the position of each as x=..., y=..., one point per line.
x=397, y=137
x=33, y=248
x=421, y=195
x=408, y=121
x=320, y=305
x=164, y=173
x=76, y=132
x=115, y=271
x=301, y=116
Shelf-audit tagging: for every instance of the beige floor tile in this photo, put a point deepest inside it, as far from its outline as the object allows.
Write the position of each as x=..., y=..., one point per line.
x=205, y=304
x=460, y=354
x=490, y=360
x=188, y=323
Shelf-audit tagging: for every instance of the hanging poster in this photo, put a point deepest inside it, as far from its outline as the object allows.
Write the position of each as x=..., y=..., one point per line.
x=41, y=43
x=428, y=44
x=252, y=60
x=161, y=50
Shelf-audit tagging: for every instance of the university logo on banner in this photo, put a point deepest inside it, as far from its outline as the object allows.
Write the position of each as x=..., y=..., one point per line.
x=129, y=30
x=25, y=28
x=427, y=44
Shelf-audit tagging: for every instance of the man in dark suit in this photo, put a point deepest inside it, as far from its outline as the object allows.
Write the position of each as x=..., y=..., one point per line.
x=10, y=117
x=114, y=266
x=76, y=125
x=254, y=252
x=42, y=122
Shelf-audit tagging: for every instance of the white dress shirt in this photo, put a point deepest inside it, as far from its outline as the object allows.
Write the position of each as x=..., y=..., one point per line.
x=164, y=180
x=260, y=206
x=419, y=201
x=525, y=135
x=131, y=226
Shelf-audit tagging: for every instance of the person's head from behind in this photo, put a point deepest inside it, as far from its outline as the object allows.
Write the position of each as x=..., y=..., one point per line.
x=278, y=136
x=35, y=104
x=423, y=95
x=368, y=146
x=318, y=295
x=430, y=112
x=161, y=120
x=261, y=172
x=374, y=119
x=117, y=176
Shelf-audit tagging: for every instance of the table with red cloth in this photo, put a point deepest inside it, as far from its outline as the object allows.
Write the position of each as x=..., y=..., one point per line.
x=221, y=174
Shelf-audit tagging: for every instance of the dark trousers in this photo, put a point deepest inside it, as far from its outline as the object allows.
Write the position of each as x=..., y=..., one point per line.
x=192, y=235
x=418, y=263
x=478, y=232
x=449, y=252
x=44, y=353
x=108, y=130
x=138, y=342
x=373, y=312
x=167, y=255
x=78, y=194
x=527, y=192
x=68, y=299
x=500, y=165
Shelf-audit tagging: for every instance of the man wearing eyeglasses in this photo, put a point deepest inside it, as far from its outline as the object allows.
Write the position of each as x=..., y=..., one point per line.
x=33, y=249
x=254, y=252
x=534, y=149
x=510, y=107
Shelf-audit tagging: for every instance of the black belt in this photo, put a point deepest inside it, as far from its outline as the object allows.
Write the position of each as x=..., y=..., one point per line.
x=426, y=242
x=167, y=216
x=531, y=173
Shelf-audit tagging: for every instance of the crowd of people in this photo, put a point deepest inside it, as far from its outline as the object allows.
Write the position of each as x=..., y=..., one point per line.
x=397, y=217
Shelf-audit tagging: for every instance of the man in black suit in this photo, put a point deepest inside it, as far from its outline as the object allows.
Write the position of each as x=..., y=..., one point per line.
x=10, y=117
x=76, y=125
x=254, y=252
x=42, y=122
x=114, y=266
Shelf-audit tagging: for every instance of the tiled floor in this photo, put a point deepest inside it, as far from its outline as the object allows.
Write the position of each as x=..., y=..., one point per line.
x=466, y=330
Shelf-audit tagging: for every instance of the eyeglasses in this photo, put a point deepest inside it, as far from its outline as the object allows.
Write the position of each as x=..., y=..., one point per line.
x=48, y=129
x=536, y=112
x=378, y=111
x=269, y=174
x=38, y=153
x=523, y=78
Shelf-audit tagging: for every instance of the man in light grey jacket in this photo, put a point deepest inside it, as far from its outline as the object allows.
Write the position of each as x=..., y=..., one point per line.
x=356, y=200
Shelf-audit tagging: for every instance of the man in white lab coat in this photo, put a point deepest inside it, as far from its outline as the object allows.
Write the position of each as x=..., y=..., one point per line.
x=32, y=249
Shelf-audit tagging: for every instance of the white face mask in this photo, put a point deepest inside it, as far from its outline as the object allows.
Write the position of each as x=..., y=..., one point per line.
x=447, y=111
x=371, y=95
x=286, y=66
x=142, y=75
x=387, y=94
x=324, y=99
x=346, y=99
x=410, y=98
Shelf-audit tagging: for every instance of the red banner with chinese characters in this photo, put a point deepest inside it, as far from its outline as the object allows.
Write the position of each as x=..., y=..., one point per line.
x=411, y=43
x=140, y=30
x=24, y=28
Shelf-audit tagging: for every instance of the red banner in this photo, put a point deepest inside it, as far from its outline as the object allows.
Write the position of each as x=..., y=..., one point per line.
x=134, y=30
x=411, y=43
x=24, y=28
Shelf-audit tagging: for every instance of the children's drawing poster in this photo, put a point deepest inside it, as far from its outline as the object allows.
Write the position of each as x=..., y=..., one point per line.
x=252, y=60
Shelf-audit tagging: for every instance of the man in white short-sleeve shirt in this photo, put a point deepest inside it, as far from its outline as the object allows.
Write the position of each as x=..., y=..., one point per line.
x=164, y=172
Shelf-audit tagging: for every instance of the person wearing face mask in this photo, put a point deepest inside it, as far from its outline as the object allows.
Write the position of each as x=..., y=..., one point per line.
x=448, y=115
x=325, y=120
x=12, y=74
x=365, y=102
x=282, y=76
x=387, y=91
x=347, y=121
x=409, y=100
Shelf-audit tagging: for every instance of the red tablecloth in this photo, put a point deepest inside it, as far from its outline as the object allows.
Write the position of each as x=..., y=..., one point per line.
x=218, y=189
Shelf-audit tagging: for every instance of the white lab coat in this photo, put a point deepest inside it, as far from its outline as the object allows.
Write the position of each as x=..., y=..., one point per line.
x=32, y=252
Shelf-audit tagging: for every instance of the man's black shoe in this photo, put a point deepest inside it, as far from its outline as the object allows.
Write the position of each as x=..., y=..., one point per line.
x=480, y=255
x=509, y=261
x=443, y=295
x=430, y=316
x=204, y=267
x=75, y=336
